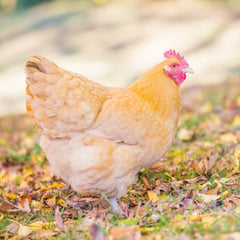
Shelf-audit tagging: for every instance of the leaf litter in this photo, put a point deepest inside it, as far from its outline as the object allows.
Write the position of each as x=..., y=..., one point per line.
x=192, y=193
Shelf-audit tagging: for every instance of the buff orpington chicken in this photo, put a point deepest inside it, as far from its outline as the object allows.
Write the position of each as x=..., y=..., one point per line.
x=98, y=138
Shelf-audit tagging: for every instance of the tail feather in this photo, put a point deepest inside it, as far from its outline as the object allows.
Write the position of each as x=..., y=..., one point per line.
x=40, y=71
x=61, y=102
x=40, y=64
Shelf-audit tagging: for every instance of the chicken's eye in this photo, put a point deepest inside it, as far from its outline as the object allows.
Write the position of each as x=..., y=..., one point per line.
x=174, y=65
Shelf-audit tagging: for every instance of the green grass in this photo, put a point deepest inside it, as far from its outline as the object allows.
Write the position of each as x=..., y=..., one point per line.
x=182, y=183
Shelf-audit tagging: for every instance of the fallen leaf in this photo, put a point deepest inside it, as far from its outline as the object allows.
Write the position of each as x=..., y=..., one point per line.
x=236, y=164
x=24, y=205
x=208, y=220
x=59, y=220
x=141, y=211
x=145, y=181
x=51, y=201
x=194, y=217
x=25, y=230
x=228, y=138
x=208, y=198
x=185, y=134
x=126, y=233
x=35, y=204
x=12, y=228
x=212, y=191
x=203, y=165
x=236, y=121
x=237, y=151
x=153, y=197
x=58, y=185
x=11, y=196
x=231, y=202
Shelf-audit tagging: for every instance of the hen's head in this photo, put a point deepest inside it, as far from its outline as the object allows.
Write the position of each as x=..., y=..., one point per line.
x=176, y=67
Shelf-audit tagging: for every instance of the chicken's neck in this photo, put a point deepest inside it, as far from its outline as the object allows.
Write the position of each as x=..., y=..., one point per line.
x=157, y=89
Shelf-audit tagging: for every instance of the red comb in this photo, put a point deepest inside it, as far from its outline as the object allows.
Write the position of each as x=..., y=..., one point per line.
x=173, y=53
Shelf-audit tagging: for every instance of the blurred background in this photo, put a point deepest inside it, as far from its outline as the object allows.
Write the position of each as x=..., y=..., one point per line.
x=114, y=42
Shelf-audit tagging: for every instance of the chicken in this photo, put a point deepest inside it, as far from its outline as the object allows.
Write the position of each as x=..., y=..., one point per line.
x=98, y=138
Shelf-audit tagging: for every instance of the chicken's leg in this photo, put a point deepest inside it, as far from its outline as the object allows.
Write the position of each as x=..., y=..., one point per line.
x=114, y=205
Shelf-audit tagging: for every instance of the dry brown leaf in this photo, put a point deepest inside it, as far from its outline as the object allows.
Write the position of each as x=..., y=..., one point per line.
x=24, y=204
x=231, y=202
x=12, y=228
x=212, y=191
x=51, y=201
x=203, y=164
x=141, y=211
x=145, y=181
x=59, y=220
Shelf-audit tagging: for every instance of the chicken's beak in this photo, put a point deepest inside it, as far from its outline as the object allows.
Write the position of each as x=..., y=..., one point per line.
x=188, y=70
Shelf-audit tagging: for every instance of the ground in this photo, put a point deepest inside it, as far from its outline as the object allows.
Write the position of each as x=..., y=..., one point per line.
x=116, y=42
x=192, y=193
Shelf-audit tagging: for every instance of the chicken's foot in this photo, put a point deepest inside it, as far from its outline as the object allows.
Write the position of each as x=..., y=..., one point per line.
x=114, y=205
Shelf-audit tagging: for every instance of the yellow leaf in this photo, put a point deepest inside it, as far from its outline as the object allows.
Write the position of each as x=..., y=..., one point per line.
x=224, y=194
x=145, y=230
x=57, y=185
x=208, y=220
x=37, y=224
x=238, y=101
x=26, y=230
x=163, y=196
x=61, y=202
x=44, y=188
x=237, y=151
x=179, y=217
x=177, y=159
x=194, y=217
x=35, y=204
x=152, y=196
x=228, y=138
x=236, y=121
x=236, y=164
x=1, y=216
x=168, y=175
x=2, y=141
x=208, y=198
x=45, y=210
x=185, y=134
x=11, y=196
x=23, y=184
